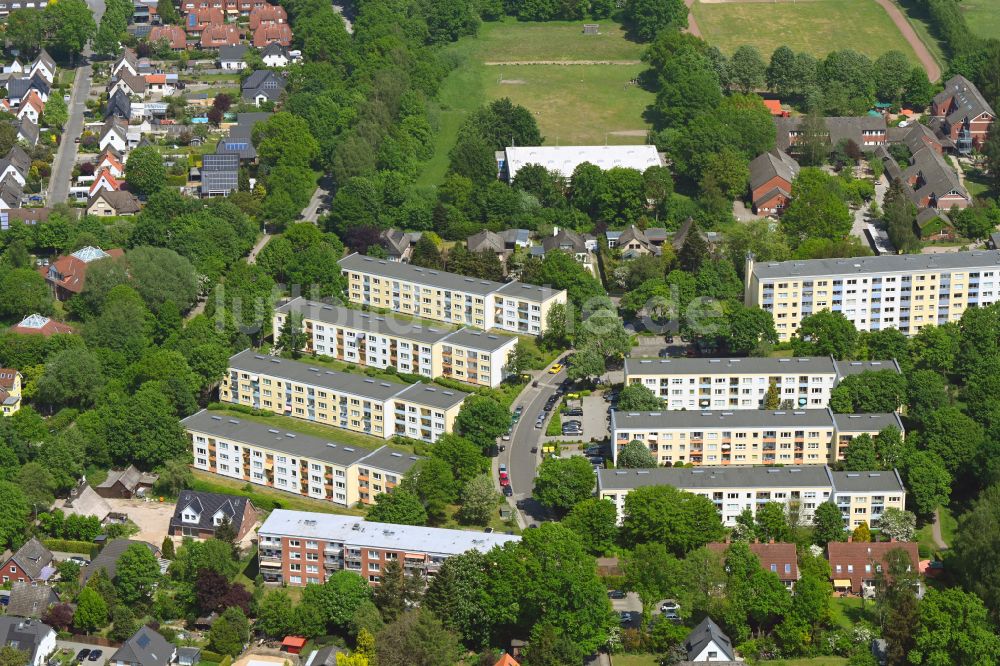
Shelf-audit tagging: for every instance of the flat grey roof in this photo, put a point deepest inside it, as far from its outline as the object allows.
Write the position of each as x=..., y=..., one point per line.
x=528, y=292
x=389, y=460
x=356, y=531
x=741, y=476
x=727, y=366
x=737, y=418
x=343, y=382
x=252, y=433
x=888, y=481
x=888, y=263
x=846, y=368
x=368, y=322
x=432, y=396
x=396, y=270
x=472, y=339
x=866, y=422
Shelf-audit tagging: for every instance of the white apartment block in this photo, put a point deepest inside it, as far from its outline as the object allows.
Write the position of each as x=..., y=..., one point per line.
x=861, y=496
x=905, y=292
x=316, y=467
x=381, y=341
x=745, y=437
x=743, y=383
x=354, y=402
x=455, y=299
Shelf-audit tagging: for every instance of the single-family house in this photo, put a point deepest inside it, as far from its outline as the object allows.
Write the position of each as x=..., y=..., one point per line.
x=10, y=391
x=14, y=67
x=274, y=55
x=15, y=165
x=238, y=145
x=126, y=483
x=128, y=83
x=43, y=64
x=127, y=62
x=32, y=563
x=11, y=193
x=36, y=324
x=110, y=163
x=708, y=643
x=106, y=182
x=220, y=174
x=280, y=33
x=216, y=36
x=32, y=636
x=488, y=241
x=233, y=57
x=267, y=15
x=28, y=216
x=581, y=246
x=27, y=132
x=114, y=134
x=634, y=242
x=108, y=558
x=110, y=203
x=28, y=600
x=18, y=87
x=31, y=107
x=855, y=565
x=172, y=35
x=67, y=275
x=262, y=86
x=119, y=106
x=962, y=114
x=161, y=84
x=398, y=244
x=771, y=177
x=199, y=514
x=84, y=501
x=780, y=559
x=196, y=21
x=146, y=647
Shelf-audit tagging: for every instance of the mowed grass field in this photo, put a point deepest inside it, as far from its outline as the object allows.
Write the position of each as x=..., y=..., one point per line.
x=983, y=16
x=573, y=104
x=814, y=26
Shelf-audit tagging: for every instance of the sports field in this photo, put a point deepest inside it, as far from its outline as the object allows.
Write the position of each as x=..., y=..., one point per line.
x=983, y=16
x=814, y=26
x=578, y=88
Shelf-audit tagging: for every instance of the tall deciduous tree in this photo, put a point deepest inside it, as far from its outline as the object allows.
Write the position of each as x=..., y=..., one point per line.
x=682, y=521
x=953, y=628
x=747, y=69
x=828, y=524
x=136, y=574
x=595, y=522
x=562, y=483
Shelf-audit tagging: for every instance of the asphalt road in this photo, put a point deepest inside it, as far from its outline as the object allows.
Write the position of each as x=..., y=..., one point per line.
x=319, y=200
x=62, y=165
x=521, y=462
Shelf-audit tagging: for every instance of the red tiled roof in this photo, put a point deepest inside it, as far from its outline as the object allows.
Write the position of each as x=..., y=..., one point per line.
x=156, y=78
x=51, y=327
x=860, y=560
x=506, y=660
x=774, y=106
x=174, y=34
x=267, y=14
x=73, y=272
x=776, y=554
x=215, y=36
x=272, y=32
x=107, y=177
x=7, y=377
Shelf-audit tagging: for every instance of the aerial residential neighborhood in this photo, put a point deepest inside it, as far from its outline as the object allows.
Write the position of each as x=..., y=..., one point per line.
x=523, y=333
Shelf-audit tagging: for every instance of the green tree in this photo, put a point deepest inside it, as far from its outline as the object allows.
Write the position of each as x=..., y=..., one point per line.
x=562, y=483
x=230, y=632
x=682, y=521
x=479, y=501
x=550, y=646
x=926, y=391
x=747, y=69
x=623, y=195
x=781, y=71
x=976, y=539
x=481, y=420
x=818, y=209
x=124, y=623
x=72, y=378
x=68, y=25
x=649, y=17
x=400, y=507
x=860, y=454
x=956, y=439
x=828, y=524
x=595, y=522
x=897, y=524
x=25, y=30
x=396, y=592
x=870, y=391
x=13, y=514
x=638, y=398
x=464, y=458
x=144, y=170
x=427, y=254
x=167, y=12
x=892, y=73
x=650, y=571
x=292, y=337
x=91, y=611
x=862, y=533
x=136, y=575
x=928, y=483
x=728, y=170
x=22, y=292
x=636, y=455
x=772, y=523
x=825, y=333
x=56, y=114
x=417, y=637
x=953, y=628
x=772, y=399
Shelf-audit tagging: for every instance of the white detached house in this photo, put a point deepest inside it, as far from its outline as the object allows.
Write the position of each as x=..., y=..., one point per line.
x=706, y=643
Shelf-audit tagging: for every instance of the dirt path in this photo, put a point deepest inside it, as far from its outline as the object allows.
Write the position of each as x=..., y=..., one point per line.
x=692, y=24
x=500, y=63
x=936, y=531
x=926, y=59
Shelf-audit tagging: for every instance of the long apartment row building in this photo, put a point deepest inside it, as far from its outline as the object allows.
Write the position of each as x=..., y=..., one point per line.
x=354, y=402
x=745, y=437
x=299, y=463
x=905, y=292
x=515, y=307
x=381, y=341
x=743, y=383
x=299, y=547
x=862, y=497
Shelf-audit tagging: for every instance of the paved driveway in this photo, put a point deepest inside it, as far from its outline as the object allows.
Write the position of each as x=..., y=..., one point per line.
x=594, y=420
x=75, y=648
x=153, y=518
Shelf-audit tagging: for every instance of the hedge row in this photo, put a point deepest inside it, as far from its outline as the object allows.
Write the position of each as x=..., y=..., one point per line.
x=69, y=546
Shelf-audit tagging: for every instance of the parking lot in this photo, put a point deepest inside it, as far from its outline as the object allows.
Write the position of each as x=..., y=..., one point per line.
x=74, y=648
x=153, y=518
x=629, y=604
x=594, y=420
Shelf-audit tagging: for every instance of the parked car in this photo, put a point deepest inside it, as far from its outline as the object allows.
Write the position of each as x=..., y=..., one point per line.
x=504, y=482
x=503, y=475
x=507, y=490
x=79, y=561
x=95, y=655
x=506, y=435
x=576, y=411
x=555, y=369
x=534, y=449
x=626, y=617
x=82, y=654
x=503, y=468
x=616, y=594
x=516, y=416
x=669, y=606
x=596, y=460
x=572, y=430
x=592, y=451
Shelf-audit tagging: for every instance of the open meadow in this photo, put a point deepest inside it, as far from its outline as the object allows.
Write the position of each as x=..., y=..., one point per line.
x=814, y=26
x=983, y=17
x=592, y=103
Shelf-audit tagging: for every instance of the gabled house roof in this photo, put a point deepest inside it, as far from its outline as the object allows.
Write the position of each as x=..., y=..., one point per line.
x=135, y=83
x=232, y=53
x=36, y=324
x=69, y=271
x=45, y=59
x=706, y=633
x=838, y=128
x=122, y=202
x=964, y=100
x=107, y=179
x=27, y=131
x=775, y=163
x=86, y=502
x=127, y=57
x=32, y=99
x=114, y=124
x=263, y=82
x=18, y=87
x=239, y=145
x=215, y=36
x=773, y=557
x=274, y=49
x=853, y=556
x=397, y=242
x=146, y=648
x=200, y=17
x=27, y=600
x=11, y=191
x=119, y=106
x=173, y=34
x=267, y=14
x=32, y=558
x=24, y=634
x=486, y=240
x=107, y=559
x=935, y=175
x=17, y=157
x=207, y=506
x=130, y=478
x=565, y=239
x=109, y=160
x=272, y=32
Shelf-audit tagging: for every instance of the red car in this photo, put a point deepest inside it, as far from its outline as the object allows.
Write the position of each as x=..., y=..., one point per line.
x=504, y=482
x=503, y=475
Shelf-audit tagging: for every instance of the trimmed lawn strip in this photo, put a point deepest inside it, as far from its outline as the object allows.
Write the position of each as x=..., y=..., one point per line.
x=263, y=497
x=983, y=17
x=510, y=40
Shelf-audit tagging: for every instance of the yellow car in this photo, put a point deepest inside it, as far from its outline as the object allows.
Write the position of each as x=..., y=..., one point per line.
x=554, y=370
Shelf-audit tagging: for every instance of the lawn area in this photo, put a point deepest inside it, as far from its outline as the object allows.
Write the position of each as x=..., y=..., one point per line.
x=808, y=661
x=634, y=660
x=847, y=611
x=265, y=498
x=924, y=536
x=573, y=104
x=983, y=17
x=815, y=26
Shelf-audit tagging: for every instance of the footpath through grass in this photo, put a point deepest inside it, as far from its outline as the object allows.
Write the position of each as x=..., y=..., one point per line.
x=815, y=26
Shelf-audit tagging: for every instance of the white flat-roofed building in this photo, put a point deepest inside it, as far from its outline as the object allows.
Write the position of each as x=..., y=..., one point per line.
x=381, y=341
x=564, y=159
x=733, y=489
x=515, y=307
x=743, y=383
x=340, y=399
x=905, y=292
x=745, y=437
x=317, y=467
x=300, y=547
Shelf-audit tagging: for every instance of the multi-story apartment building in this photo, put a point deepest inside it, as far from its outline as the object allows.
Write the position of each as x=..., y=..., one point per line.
x=383, y=341
x=340, y=399
x=799, y=489
x=743, y=383
x=745, y=437
x=906, y=292
x=456, y=299
x=300, y=547
x=317, y=467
